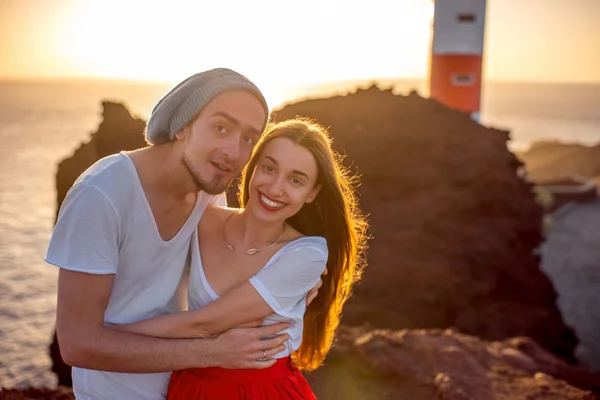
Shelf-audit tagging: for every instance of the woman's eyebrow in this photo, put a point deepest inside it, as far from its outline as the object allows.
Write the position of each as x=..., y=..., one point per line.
x=296, y=171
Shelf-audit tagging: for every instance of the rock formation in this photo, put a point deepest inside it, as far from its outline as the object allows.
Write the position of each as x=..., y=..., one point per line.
x=438, y=364
x=37, y=394
x=569, y=176
x=571, y=258
x=118, y=131
x=454, y=225
x=427, y=365
x=555, y=160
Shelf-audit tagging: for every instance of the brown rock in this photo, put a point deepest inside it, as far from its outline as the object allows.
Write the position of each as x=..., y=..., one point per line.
x=442, y=364
x=555, y=160
x=118, y=131
x=430, y=364
x=60, y=393
x=454, y=225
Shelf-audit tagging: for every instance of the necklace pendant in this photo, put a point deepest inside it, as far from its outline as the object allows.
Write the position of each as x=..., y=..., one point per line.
x=251, y=251
x=230, y=247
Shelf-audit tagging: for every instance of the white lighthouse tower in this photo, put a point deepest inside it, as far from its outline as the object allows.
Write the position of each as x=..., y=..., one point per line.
x=457, y=54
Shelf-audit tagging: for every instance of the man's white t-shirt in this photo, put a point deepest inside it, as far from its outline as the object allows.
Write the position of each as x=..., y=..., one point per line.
x=106, y=226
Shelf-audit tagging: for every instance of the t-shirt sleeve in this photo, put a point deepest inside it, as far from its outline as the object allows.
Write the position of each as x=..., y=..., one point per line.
x=284, y=283
x=85, y=237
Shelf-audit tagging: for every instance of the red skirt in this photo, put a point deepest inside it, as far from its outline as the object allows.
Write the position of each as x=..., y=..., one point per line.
x=281, y=381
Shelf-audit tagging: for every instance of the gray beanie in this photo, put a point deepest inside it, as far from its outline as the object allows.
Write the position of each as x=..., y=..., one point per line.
x=184, y=102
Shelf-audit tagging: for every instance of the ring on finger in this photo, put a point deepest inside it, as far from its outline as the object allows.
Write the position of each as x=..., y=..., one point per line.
x=264, y=354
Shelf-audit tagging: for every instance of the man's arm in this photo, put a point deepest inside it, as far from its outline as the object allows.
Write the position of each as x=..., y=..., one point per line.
x=86, y=343
x=274, y=290
x=241, y=305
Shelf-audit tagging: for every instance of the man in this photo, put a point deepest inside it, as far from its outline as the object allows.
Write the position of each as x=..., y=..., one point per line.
x=123, y=234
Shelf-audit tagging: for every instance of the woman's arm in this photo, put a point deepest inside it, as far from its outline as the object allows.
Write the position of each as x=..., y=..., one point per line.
x=237, y=307
x=281, y=288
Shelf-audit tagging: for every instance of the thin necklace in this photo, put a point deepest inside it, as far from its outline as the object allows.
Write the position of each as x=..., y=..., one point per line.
x=252, y=250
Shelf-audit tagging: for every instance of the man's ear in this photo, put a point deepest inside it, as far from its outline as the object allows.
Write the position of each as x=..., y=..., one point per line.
x=313, y=194
x=183, y=134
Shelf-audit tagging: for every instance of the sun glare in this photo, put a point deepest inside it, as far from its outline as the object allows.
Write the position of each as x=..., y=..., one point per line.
x=275, y=43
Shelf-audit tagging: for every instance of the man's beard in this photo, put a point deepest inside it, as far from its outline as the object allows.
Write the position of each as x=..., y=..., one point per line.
x=213, y=188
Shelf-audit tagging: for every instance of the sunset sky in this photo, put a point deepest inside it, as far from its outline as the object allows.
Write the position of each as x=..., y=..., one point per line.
x=283, y=42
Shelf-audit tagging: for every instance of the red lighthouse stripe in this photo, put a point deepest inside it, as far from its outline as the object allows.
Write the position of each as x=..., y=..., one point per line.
x=456, y=80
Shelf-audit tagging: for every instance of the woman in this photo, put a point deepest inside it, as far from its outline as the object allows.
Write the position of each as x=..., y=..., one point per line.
x=298, y=216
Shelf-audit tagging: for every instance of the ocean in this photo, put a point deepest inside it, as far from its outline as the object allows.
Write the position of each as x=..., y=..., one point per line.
x=42, y=122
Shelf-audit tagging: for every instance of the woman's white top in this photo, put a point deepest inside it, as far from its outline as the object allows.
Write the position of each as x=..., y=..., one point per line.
x=283, y=283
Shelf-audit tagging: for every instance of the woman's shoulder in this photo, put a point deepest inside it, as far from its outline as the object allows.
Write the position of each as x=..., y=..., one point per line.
x=215, y=215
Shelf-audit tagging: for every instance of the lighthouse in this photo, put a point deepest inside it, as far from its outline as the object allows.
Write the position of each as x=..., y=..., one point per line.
x=457, y=54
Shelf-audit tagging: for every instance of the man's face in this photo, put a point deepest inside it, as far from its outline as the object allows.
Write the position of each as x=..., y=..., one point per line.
x=219, y=143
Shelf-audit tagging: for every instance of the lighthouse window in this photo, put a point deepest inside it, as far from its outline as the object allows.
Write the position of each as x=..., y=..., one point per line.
x=466, y=17
x=463, y=79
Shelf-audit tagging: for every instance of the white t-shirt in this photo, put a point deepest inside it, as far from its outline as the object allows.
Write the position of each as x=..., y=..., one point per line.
x=283, y=283
x=106, y=226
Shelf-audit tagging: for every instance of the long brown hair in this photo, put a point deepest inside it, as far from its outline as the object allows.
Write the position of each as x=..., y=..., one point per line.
x=334, y=215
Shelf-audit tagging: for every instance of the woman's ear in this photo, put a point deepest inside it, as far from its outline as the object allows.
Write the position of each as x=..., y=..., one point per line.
x=313, y=194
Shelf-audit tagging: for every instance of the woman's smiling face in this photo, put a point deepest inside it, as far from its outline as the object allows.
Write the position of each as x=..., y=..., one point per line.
x=285, y=178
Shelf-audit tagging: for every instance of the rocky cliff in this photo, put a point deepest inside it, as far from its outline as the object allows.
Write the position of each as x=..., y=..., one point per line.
x=555, y=160
x=454, y=225
x=427, y=365
x=443, y=364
